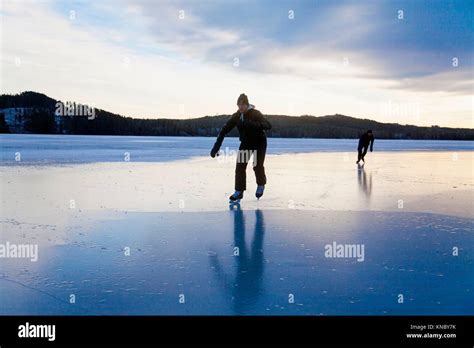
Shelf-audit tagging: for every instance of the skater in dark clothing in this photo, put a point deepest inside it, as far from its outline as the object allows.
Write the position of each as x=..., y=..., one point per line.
x=364, y=141
x=251, y=126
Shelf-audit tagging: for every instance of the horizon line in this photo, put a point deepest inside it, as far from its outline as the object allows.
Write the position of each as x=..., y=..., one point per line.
x=228, y=114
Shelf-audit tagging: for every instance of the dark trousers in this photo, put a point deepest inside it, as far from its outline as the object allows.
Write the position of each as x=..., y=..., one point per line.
x=362, y=152
x=257, y=151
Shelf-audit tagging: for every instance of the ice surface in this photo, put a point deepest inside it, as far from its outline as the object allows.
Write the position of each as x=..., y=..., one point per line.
x=409, y=209
x=280, y=254
x=46, y=149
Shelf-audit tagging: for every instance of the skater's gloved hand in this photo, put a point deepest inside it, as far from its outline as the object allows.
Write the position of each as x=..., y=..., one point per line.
x=215, y=150
x=371, y=149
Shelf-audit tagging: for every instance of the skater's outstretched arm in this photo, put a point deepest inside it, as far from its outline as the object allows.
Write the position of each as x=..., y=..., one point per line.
x=372, y=144
x=259, y=123
x=231, y=123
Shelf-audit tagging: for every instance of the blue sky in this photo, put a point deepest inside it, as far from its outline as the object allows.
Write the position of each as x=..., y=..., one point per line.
x=140, y=58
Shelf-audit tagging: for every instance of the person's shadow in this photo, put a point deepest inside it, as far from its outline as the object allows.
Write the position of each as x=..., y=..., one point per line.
x=246, y=287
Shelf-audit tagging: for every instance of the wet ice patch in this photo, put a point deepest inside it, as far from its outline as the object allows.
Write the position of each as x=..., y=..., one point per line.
x=280, y=252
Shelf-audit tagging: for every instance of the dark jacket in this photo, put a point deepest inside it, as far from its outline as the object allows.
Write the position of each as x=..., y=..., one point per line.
x=251, y=127
x=365, y=140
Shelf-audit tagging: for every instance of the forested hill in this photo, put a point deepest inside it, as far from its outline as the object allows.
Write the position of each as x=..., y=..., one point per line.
x=31, y=112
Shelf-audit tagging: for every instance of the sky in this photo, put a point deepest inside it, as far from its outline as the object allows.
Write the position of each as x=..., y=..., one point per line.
x=409, y=62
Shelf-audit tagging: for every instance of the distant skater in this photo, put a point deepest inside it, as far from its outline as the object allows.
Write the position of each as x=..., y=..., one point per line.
x=364, y=141
x=253, y=141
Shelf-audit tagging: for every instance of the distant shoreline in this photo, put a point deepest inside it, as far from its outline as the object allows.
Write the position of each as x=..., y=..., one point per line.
x=227, y=137
x=36, y=113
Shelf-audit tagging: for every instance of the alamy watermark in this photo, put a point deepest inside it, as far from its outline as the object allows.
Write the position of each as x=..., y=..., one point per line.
x=28, y=330
x=350, y=251
x=241, y=156
x=23, y=251
x=401, y=109
x=74, y=109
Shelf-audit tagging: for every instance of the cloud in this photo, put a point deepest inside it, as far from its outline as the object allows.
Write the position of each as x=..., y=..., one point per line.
x=458, y=81
x=141, y=59
x=348, y=38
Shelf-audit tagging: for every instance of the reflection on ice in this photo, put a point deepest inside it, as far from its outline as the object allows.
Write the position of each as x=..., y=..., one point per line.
x=248, y=262
x=364, y=179
x=245, y=287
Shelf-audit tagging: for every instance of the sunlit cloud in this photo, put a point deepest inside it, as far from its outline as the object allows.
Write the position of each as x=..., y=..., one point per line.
x=188, y=59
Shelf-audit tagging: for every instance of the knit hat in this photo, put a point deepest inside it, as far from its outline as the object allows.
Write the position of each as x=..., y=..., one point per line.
x=243, y=99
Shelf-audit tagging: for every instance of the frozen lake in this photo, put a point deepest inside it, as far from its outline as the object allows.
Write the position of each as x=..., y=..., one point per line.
x=280, y=268
x=36, y=149
x=137, y=237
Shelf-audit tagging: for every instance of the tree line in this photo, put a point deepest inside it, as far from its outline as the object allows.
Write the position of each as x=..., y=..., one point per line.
x=37, y=115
